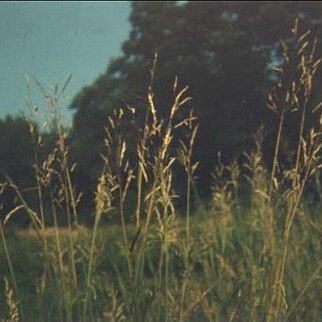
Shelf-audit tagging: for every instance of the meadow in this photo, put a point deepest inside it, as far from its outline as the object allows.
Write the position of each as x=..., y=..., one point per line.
x=250, y=253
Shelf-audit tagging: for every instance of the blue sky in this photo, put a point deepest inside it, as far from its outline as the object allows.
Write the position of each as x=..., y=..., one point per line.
x=51, y=40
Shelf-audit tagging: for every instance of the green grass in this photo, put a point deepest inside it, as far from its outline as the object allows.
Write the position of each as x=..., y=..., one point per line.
x=227, y=265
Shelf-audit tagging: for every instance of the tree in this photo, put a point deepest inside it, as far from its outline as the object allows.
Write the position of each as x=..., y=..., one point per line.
x=16, y=155
x=222, y=50
x=16, y=159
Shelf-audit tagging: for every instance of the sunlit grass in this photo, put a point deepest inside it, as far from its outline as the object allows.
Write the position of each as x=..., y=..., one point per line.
x=252, y=256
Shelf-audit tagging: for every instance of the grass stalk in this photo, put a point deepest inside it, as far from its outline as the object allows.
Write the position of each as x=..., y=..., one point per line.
x=12, y=272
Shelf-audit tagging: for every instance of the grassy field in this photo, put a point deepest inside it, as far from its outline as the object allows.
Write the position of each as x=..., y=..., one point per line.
x=252, y=253
x=224, y=276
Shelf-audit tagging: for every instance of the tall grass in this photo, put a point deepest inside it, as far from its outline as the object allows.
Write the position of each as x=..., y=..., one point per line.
x=238, y=260
x=296, y=95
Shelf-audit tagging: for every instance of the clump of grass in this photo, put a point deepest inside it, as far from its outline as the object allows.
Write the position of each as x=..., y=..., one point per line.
x=155, y=213
x=293, y=93
x=53, y=182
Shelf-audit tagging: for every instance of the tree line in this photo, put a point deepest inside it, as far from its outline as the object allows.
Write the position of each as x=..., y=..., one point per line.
x=226, y=52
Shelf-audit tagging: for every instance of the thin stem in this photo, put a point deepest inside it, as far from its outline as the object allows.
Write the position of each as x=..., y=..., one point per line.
x=91, y=263
x=276, y=152
x=305, y=288
x=11, y=270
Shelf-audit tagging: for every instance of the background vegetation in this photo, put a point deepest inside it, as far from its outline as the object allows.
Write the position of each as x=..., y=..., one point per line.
x=223, y=51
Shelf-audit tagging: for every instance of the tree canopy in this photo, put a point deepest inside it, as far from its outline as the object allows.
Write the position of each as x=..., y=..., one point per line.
x=222, y=50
